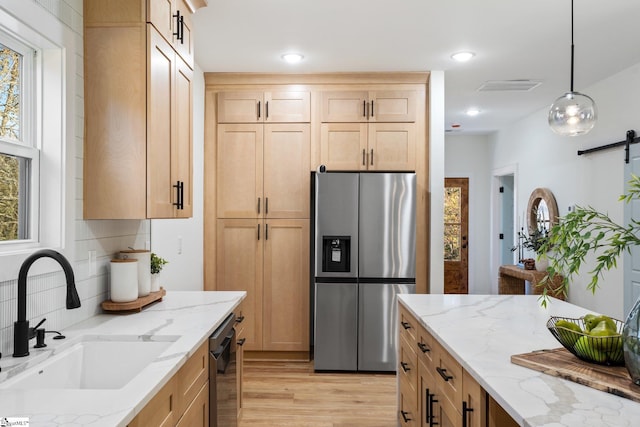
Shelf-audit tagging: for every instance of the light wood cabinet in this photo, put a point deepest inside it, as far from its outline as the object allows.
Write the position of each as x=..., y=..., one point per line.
x=263, y=171
x=269, y=259
x=173, y=20
x=240, y=340
x=369, y=106
x=264, y=107
x=184, y=399
x=138, y=117
x=445, y=393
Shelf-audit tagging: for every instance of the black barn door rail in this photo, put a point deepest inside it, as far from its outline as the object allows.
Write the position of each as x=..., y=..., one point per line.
x=631, y=139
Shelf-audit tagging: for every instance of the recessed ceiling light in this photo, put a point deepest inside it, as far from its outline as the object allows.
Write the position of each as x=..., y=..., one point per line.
x=292, y=58
x=472, y=112
x=462, y=56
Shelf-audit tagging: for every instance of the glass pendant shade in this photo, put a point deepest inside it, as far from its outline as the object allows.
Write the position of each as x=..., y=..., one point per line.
x=572, y=114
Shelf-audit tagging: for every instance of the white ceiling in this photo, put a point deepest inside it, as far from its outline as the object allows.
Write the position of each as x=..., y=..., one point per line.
x=512, y=39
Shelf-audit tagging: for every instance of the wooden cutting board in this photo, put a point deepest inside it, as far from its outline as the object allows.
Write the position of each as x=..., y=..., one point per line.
x=560, y=363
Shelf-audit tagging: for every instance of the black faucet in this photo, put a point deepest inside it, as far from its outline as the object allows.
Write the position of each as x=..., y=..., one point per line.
x=21, y=330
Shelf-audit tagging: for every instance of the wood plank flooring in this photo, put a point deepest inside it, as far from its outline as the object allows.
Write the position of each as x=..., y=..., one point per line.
x=288, y=394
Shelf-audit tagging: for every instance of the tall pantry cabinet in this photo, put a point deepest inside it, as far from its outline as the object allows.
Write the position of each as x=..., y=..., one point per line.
x=138, y=109
x=263, y=149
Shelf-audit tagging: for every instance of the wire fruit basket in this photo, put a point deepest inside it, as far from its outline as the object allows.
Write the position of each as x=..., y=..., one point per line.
x=603, y=350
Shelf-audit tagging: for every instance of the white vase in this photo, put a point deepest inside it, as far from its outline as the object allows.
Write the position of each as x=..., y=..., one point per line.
x=542, y=264
x=155, y=282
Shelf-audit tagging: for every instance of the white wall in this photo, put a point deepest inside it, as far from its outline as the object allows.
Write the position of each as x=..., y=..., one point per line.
x=469, y=157
x=547, y=160
x=185, y=268
x=436, y=181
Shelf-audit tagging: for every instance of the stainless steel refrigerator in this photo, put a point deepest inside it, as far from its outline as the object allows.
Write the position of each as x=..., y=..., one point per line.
x=364, y=255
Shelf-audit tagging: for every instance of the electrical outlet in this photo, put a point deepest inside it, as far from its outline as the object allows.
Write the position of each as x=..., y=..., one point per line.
x=571, y=208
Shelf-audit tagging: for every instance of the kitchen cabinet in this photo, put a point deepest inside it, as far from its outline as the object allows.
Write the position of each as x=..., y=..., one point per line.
x=434, y=389
x=270, y=260
x=264, y=107
x=138, y=117
x=263, y=170
x=368, y=130
x=173, y=20
x=184, y=399
x=240, y=340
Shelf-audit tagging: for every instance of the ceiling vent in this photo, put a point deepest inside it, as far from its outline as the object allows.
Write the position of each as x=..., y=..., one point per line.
x=520, y=85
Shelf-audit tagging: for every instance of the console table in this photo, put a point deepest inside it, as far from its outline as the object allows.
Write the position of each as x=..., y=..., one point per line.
x=511, y=281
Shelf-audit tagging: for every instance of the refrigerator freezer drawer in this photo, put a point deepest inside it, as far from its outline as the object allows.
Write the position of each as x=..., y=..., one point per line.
x=378, y=333
x=336, y=327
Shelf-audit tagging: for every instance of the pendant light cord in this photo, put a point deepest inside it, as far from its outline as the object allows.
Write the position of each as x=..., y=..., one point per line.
x=572, y=48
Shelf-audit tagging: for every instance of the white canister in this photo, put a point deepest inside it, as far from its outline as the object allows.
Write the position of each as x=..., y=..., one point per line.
x=144, y=268
x=124, y=280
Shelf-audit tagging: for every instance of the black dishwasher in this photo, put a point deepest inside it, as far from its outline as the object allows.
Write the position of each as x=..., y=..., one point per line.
x=223, y=392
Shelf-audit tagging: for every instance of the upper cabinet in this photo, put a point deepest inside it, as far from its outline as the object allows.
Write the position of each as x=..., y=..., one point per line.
x=264, y=107
x=138, y=114
x=369, y=106
x=172, y=19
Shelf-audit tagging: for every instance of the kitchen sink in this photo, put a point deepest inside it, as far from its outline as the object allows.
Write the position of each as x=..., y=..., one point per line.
x=95, y=362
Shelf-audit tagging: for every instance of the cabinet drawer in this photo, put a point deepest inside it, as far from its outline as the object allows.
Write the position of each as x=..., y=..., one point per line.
x=425, y=347
x=197, y=414
x=161, y=411
x=448, y=376
x=407, y=324
x=408, y=364
x=191, y=376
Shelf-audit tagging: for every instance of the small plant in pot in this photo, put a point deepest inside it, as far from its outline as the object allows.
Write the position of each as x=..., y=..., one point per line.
x=157, y=263
x=533, y=241
x=586, y=231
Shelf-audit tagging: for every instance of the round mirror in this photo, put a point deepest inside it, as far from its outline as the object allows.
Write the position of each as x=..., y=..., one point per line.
x=542, y=210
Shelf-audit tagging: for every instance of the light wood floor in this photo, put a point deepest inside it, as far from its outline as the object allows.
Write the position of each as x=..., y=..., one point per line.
x=288, y=394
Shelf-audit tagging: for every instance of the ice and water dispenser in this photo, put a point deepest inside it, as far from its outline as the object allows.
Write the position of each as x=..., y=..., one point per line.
x=336, y=254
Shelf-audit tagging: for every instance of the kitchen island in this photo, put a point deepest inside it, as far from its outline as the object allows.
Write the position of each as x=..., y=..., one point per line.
x=188, y=317
x=482, y=332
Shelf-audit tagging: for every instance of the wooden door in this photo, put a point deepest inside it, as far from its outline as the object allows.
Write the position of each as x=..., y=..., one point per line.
x=239, y=171
x=456, y=241
x=182, y=146
x=474, y=402
x=160, y=113
x=426, y=394
x=239, y=268
x=392, y=106
x=344, y=106
x=286, y=285
x=286, y=170
x=343, y=146
x=287, y=107
x=240, y=107
x=391, y=147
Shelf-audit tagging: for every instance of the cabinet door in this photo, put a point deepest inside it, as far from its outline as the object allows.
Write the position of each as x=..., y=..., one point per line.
x=392, y=106
x=427, y=399
x=182, y=146
x=240, y=365
x=197, y=414
x=159, y=13
x=239, y=171
x=183, y=43
x=161, y=410
x=239, y=268
x=343, y=146
x=408, y=413
x=392, y=147
x=240, y=107
x=286, y=285
x=160, y=111
x=286, y=170
x=474, y=402
x=287, y=107
x=344, y=106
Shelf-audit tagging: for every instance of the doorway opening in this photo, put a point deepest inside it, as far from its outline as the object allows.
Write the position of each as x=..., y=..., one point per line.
x=503, y=236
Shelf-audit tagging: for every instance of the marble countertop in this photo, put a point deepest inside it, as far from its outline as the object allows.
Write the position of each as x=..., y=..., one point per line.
x=483, y=331
x=190, y=315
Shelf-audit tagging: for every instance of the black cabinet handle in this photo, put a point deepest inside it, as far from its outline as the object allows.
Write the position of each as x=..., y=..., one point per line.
x=241, y=341
x=258, y=109
x=364, y=108
x=405, y=416
x=240, y=319
x=405, y=366
x=432, y=400
x=179, y=203
x=266, y=232
x=266, y=205
x=258, y=231
x=181, y=195
x=405, y=325
x=443, y=374
x=266, y=109
x=372, y=108
x=177, y=33
x=258, y=204
x=363, y=154
x=372, y=157
x=181, y=37
x=423, y=347
x=465, y=409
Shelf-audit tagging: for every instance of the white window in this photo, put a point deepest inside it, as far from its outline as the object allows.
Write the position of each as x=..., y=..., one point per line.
x=19, y=150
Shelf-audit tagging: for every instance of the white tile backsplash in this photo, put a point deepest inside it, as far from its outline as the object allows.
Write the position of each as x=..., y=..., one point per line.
x=46, y=294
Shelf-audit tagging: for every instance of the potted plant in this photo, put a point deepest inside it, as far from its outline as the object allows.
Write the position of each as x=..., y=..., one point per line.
x=157, y=263
x=587, y=231
x=533, y=241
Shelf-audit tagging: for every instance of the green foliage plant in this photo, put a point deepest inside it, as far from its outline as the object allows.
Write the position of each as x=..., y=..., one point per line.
x=585, y=231
x=157, y=263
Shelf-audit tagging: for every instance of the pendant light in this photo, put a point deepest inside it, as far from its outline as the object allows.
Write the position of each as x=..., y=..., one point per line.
x=573, y=113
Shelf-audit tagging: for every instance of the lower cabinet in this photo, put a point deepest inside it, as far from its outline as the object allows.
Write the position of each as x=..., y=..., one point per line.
x=184, y=400
x=240, y=340
x=434, y=389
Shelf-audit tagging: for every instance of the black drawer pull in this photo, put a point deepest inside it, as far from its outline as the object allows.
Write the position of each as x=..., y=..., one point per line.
x=405, y=366
x=241, y=341
x=405, y=417
x=465, y=409
x=406, y=325
x=443, y=374
x=423, y=347
x=240, y=319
